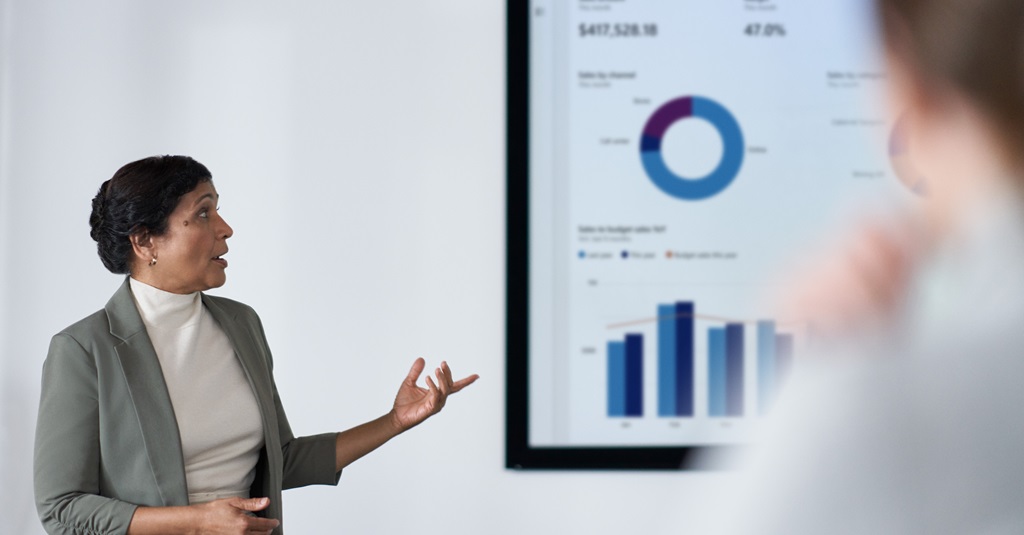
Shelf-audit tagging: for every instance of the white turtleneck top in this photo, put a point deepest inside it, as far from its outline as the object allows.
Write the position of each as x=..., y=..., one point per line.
x=218, y=418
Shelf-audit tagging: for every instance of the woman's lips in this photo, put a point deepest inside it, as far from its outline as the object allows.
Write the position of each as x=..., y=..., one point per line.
x=221, y=262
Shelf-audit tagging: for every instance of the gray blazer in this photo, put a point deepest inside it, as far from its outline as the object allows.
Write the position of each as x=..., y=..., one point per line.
x=107, y=440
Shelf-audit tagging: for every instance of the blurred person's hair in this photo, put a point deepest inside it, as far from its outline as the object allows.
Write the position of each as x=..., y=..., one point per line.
x=975, y=47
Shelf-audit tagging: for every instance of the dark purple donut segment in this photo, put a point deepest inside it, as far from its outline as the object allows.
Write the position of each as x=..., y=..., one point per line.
x=667, y=114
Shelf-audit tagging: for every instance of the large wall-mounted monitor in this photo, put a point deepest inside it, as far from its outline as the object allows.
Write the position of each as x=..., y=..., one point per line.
x=667, y=160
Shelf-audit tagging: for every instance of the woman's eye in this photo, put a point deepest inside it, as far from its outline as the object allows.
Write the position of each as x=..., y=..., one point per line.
x=204, y=214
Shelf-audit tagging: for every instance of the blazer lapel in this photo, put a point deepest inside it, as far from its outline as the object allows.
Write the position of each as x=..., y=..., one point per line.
x=247, y=352
x=149, y=395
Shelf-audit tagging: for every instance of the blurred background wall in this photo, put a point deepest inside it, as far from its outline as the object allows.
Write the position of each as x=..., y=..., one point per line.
x=358, y=148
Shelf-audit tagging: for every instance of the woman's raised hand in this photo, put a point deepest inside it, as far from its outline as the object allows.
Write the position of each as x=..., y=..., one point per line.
x=413, y=404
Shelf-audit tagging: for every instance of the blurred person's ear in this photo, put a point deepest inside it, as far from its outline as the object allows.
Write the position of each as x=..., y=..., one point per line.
x=949, y=142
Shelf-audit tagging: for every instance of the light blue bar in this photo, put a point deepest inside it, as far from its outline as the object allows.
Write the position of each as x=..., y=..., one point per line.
x=616, y=378
x=766, y=364
x=716, y=371
x=666, y=360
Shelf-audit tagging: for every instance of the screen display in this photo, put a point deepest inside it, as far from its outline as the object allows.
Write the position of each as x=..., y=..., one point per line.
x=682, y=155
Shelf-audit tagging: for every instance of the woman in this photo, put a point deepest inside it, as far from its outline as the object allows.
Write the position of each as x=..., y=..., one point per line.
x=918, y=427
x=159, y=413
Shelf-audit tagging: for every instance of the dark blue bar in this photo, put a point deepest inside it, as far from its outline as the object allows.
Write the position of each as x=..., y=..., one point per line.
x=634, y=375
x=616, y=379
x=734, y=369
x=667, y=360
x=684, y=358
x=716, y=372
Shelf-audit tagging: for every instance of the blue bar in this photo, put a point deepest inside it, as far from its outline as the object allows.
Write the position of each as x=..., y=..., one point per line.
x=716, y=372
x=616, y=379
x=666, y=360
x=684, y=359
x=765, y=364
x=734, y=369
x=634, y=375
x=783, y=357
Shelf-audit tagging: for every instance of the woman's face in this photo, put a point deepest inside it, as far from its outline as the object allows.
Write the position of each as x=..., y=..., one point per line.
x=189, y=253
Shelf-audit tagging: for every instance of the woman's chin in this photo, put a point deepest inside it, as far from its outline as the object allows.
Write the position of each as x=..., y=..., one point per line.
x=216, y=282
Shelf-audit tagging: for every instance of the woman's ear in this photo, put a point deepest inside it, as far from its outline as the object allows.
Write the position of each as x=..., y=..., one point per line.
x=143, y=248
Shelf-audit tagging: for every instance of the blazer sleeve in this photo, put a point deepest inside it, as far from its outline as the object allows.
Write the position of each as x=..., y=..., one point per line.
x=308, y=460
x=67, y=448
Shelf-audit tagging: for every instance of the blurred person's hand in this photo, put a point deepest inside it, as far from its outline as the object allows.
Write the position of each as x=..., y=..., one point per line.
x=856, y=285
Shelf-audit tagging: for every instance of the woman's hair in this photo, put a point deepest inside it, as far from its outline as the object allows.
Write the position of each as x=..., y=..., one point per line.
x=138, y=199
x=975, y=47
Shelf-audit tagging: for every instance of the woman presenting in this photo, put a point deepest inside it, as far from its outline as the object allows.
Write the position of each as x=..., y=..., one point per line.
x=159, y=413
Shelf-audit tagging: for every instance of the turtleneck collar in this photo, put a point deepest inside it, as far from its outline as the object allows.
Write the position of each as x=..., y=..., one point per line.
x=165, y=310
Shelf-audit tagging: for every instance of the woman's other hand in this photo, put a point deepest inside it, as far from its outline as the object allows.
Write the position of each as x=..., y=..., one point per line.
x=227, y=516
x=413, y=404
x=233, y=516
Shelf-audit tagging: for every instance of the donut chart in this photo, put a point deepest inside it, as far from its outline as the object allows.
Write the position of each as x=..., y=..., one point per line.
x=692, y=188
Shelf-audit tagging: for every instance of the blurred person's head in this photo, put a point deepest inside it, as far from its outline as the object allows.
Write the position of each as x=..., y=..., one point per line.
x=957, y=78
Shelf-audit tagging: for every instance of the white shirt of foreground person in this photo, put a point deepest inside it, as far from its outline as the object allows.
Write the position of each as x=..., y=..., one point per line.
x=926, y=436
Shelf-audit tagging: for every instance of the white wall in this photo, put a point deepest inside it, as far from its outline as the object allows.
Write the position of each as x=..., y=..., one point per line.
x=359, y=151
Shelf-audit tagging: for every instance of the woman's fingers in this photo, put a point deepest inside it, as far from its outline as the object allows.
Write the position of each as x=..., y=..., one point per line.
x=235, y=515
x=413, y=404
x=415, y=371
x=261, y=525
x=463, y=383
x=445, y=385
x=455, y=386
x=432, y=388
x=250, y=504
x=447, y=373
x=255, y=524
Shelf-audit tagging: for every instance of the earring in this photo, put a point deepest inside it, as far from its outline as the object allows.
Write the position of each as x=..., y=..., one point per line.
x=153, y=261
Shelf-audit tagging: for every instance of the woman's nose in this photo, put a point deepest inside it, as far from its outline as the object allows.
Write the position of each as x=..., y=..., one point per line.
x=226, y=231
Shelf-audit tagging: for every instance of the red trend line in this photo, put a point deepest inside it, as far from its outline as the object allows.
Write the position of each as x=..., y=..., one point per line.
x=708, y=317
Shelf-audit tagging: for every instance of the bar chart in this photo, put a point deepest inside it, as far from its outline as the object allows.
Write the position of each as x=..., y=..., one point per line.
x=725, y=374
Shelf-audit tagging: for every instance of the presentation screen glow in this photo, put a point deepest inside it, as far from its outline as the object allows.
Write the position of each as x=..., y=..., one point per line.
x=683, y=155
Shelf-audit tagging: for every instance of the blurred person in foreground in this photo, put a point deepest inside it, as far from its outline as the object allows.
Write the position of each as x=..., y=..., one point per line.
x=159, y=413
x=911, y=418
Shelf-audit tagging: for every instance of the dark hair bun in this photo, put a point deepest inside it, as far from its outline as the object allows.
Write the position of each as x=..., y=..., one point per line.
x=98, y=215
x=139, y=198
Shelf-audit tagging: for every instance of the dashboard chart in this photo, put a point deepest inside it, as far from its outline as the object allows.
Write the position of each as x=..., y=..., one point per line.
x=684, y=187
x=670, y=160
